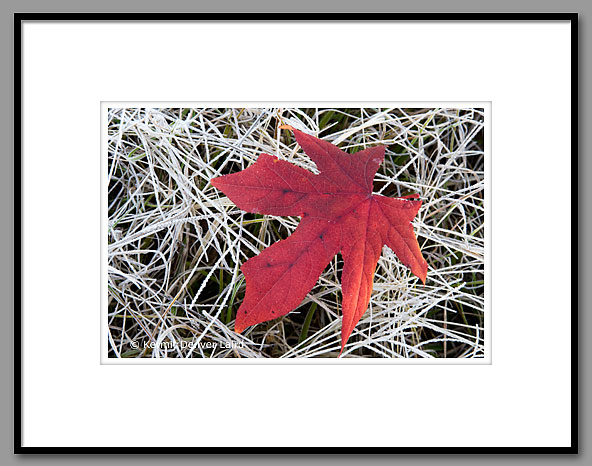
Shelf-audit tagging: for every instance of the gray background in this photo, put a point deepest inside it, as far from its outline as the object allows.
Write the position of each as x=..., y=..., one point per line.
x=8, y=7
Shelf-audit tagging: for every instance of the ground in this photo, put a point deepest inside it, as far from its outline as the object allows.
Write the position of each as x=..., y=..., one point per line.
x=175, y=243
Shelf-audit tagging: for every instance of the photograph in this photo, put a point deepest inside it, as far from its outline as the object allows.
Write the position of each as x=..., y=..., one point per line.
x=296, y=232
x=247, y=224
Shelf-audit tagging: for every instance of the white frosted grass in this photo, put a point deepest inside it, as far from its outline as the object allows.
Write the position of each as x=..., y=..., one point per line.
x=171, y=234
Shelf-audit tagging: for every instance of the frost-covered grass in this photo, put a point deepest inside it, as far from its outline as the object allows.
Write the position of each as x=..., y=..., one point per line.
x=176, y=243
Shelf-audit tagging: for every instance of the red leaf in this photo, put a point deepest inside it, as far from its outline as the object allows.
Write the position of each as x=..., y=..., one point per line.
x=339, y=214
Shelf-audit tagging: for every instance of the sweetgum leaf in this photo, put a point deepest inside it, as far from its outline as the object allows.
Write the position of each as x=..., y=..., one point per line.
x=339, y=214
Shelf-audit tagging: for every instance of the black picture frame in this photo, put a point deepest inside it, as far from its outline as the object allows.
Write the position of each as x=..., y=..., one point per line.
x=19, y=18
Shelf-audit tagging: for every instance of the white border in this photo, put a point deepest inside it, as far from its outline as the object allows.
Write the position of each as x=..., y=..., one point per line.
x=522, y=399
x=355, y=361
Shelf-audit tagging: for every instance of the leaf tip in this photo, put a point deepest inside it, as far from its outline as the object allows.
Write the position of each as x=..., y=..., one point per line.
x=423, y=273
x=286, y=127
